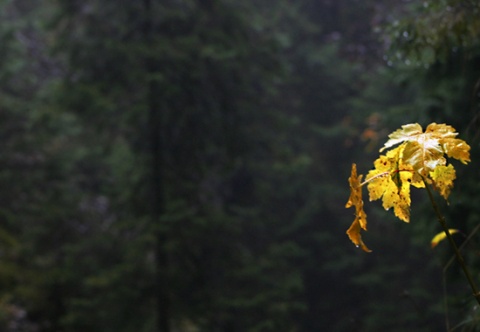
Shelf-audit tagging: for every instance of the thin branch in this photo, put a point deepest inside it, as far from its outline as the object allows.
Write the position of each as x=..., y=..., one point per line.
x=444, y=278
x=464, y=243
x=458, y=255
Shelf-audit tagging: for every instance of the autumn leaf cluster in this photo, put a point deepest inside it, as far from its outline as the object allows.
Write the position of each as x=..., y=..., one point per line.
x=419, y=159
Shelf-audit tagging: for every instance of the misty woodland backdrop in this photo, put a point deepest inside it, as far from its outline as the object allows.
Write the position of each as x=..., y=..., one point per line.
x=182, y=165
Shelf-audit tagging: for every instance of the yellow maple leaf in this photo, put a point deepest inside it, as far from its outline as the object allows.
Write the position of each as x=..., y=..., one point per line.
x=399, y=197
x=390, y=180
x=443, y=177
x=441, y=236
x=425, y=150
x=418, y=160
x=356, y=200
x=379, y=178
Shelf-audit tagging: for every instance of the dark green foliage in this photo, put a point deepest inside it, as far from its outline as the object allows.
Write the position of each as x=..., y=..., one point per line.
x=257, y=110
x=446, y=91
x=428, y=32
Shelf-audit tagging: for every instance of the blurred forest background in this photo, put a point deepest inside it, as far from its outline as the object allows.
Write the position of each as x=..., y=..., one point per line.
x=182, y=165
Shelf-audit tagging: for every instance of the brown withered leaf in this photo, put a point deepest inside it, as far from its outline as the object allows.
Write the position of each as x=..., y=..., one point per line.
x=355, y=200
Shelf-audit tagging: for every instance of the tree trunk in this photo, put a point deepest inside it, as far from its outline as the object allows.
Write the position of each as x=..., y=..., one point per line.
x=155, y=127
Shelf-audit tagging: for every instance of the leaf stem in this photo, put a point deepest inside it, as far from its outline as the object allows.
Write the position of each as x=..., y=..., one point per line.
x=381, y=175
x=458, y=255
